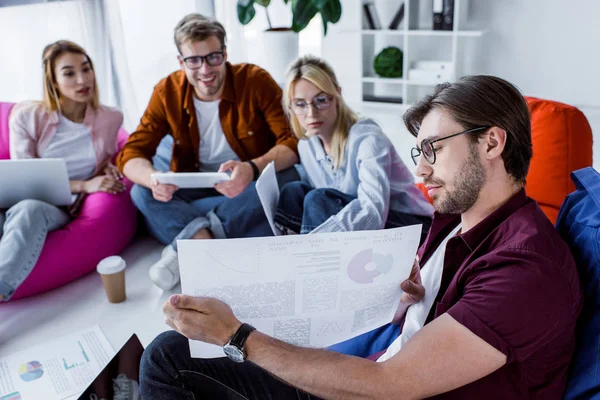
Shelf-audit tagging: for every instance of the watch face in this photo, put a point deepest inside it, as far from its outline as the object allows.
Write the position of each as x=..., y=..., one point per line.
x=233, y=353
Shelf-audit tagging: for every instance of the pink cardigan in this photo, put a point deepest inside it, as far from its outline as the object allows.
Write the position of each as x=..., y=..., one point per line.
x=32, y=128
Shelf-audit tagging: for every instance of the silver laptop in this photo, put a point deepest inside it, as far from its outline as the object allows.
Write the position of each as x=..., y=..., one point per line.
x=43, y=179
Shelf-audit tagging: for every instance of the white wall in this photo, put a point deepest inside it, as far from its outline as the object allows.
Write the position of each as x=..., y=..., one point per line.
x=149, y=49
x=25, y=31
x=548, y=48
x=148, y=33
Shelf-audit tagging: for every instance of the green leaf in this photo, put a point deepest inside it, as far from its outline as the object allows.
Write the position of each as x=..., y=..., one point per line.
x=331, y=11
x=302, y=12
x=264, y=3
x=245, y=11
x=319, y=4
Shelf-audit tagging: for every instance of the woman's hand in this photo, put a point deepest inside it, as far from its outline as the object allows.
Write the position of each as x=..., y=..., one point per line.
x=112, y=171
x=103, y=183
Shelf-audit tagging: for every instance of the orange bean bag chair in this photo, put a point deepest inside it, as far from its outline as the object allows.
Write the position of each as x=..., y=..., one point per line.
x=562, y=143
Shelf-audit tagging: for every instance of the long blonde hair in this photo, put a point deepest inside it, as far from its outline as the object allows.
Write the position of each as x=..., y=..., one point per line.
x=49, y=56
x=318, y=72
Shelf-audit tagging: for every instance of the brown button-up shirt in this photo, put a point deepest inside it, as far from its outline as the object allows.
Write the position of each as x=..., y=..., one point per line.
x=250, y=111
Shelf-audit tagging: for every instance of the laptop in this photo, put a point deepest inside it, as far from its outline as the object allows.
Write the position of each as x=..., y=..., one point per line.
x=43, y=179
x=120, y=379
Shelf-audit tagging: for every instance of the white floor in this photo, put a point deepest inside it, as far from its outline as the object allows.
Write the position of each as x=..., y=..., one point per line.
x=82, y=304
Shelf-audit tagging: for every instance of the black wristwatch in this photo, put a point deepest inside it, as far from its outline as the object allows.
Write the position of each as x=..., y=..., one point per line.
x=254, y=169
x=234, y=349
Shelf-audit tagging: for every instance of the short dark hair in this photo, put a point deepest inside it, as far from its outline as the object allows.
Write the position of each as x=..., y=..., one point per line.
x=197, y=27
x=483, y=100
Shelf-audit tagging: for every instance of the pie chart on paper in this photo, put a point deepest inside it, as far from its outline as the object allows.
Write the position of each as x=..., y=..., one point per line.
x=31, y=371
x=367, y=265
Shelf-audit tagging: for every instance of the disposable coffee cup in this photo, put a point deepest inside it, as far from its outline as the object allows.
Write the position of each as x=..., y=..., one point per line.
x=112, y=272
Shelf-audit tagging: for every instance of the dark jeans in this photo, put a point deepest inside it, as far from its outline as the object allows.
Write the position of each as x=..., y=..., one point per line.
x=243, y=216
x=168, y=372
x=302, y=208
x=166, y=220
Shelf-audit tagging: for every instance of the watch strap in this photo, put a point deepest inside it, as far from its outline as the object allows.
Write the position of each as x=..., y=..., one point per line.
x=254, y=169
x=239, y=338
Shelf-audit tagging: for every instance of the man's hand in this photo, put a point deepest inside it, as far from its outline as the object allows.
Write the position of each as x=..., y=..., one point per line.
x=201, y=318
x=413, y=292
x=241, y=176
x=162, y=191
x=112, y=171
x=103, y=183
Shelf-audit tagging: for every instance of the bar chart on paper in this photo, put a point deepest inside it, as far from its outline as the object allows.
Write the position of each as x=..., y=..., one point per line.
x=86, y=359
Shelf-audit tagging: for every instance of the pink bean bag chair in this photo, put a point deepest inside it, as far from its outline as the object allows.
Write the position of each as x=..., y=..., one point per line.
x=105, y=225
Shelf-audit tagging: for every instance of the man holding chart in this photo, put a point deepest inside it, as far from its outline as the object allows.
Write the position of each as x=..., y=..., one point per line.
x=222, y=118
x=501, y=290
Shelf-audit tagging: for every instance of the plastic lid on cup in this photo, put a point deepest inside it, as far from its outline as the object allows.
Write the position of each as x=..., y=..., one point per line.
x=111, y=265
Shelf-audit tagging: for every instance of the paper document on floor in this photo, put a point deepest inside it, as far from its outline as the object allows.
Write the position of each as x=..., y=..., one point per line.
x=56, y=369
x=308, y=290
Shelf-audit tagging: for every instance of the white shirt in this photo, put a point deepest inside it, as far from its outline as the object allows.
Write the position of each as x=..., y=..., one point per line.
x=73, y=143
x=214, y=148
x=431, y=278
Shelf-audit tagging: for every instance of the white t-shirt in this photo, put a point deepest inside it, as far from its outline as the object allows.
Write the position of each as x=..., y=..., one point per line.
x=431, y=278
x=73, y=143
x=214, y=148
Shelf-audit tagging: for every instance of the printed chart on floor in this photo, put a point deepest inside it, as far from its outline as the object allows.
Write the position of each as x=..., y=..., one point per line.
x=308, y=290
x=55, y=370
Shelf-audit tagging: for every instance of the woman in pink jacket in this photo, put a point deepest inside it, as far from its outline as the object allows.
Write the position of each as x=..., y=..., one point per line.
x=70, y=124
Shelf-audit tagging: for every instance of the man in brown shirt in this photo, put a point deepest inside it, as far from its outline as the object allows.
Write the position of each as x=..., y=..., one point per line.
x=222, y=117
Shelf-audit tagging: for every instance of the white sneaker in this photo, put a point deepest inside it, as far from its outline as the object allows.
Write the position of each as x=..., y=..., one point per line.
x=125, y=388
x=165, y=272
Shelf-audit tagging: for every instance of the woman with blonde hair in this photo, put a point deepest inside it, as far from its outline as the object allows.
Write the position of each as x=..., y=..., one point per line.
x=354, y=179
x=71, y=124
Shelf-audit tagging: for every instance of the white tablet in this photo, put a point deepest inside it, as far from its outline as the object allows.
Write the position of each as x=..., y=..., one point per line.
x=189, y=180
x=43, y=179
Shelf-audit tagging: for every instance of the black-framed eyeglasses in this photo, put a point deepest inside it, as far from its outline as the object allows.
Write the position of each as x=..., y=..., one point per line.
x=320, y=102
x=213, y=59
x=428, y=150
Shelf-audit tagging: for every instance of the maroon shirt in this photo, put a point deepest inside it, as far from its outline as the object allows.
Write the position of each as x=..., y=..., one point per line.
x=512, y=281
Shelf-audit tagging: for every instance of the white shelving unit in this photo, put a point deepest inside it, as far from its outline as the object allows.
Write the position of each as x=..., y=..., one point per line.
x=350, y=48
x=414, y=36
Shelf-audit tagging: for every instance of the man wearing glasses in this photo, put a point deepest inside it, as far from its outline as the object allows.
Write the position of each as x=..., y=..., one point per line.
x=222, y=117
x=501, y=291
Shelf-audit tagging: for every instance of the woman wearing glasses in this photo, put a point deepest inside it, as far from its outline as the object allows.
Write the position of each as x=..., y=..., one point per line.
x=354, y=178
x=70, y=124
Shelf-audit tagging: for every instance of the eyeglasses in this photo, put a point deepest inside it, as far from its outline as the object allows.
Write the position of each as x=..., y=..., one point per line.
x=428, y=150
x=213, y=59
x=320, y=102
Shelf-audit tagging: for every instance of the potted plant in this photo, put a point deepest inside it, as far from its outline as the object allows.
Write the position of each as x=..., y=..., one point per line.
x=279, y=45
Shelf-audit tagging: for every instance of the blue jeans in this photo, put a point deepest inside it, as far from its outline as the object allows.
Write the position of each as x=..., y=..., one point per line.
x=243, y=216
x=168, y=372
x=23, y=230
x=179, y=218
x=302, y=208
x=193, y=209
